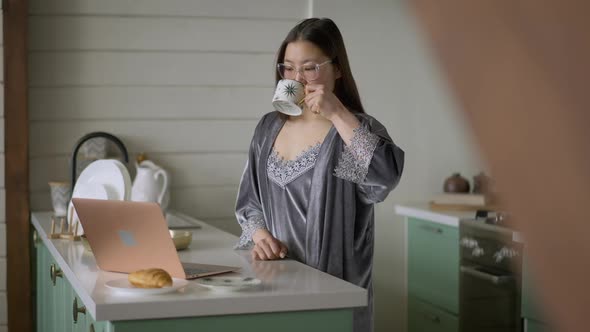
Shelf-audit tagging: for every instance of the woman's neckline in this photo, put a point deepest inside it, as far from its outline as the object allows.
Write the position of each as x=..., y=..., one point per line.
x=310, y=146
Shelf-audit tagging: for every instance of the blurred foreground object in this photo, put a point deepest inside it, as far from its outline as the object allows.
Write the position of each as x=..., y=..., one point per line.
x=522, y=67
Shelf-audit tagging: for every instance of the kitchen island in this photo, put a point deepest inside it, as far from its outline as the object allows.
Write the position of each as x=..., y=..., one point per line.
x=71, y=294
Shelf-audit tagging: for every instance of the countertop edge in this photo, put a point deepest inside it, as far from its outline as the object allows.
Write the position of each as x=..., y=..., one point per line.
x=433, y=216
x=119, y=312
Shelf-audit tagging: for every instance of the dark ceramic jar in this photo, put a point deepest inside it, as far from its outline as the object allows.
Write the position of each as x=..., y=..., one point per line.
x=482, y=184
x=456, y=184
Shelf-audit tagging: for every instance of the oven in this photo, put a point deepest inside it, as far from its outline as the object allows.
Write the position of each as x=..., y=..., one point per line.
x=490, y=277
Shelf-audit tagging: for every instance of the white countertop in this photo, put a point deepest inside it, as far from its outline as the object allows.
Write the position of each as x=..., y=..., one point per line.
x=287, y=285
x=423, y=211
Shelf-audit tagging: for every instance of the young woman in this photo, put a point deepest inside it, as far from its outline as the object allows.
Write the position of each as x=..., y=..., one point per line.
x=311, y=181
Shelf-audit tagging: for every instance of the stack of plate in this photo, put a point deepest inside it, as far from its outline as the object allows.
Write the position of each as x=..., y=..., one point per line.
x=102, y=179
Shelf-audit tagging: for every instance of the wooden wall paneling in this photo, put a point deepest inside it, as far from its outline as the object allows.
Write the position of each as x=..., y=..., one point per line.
x=20, y=309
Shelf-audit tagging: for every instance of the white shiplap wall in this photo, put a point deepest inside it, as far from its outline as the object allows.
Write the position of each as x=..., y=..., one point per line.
x=183, y=81
x=3, y=304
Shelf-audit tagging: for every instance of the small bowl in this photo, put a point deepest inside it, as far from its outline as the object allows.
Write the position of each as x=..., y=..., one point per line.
x=85, y=243
x=181, y=239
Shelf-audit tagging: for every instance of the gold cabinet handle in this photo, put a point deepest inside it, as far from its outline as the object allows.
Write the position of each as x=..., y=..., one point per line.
x=76, y=311
x=35, y=238
x=54, y=272
x=91, y=329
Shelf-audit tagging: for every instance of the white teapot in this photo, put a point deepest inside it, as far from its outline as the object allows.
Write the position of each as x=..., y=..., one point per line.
x=147, y=185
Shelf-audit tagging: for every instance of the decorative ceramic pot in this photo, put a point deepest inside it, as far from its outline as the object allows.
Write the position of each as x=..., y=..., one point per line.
x=456, y=184
x=482, y=184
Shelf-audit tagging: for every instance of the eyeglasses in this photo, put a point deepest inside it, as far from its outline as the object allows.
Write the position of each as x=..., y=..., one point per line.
x=309, y=71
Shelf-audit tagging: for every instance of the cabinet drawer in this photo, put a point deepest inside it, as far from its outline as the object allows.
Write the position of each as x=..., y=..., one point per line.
x=433, y=263
x=423, y=317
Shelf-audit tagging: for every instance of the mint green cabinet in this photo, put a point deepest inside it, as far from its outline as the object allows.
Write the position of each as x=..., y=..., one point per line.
x=49, y=286
x=55, y=312
x=94, y=326
x=41, y=287
x=530, y=308
x=433, y=277
x=433, y=263
x=294, y=321
x=59, y=300
x=424, y=317
x=78, y=311
x=55, y=298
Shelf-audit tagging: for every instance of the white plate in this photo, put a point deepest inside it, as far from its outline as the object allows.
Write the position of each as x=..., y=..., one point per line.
x=85, y=190
x=102, y=179
x=110, y=173
x=228, y=283
x=123, y=287
x=126, y=180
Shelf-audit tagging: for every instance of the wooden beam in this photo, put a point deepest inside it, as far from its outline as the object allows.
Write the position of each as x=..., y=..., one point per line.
x=16, y=129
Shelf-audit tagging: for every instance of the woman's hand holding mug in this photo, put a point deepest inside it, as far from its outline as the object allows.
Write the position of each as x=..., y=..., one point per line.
x=321, y=101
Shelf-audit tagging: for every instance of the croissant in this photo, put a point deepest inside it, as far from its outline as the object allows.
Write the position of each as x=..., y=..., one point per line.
x=150, y=278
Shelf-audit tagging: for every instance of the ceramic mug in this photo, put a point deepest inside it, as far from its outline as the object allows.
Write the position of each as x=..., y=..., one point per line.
x=288, y=96
x=60, y=197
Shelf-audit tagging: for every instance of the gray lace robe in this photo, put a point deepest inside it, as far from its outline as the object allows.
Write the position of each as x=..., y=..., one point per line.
x=334, y=232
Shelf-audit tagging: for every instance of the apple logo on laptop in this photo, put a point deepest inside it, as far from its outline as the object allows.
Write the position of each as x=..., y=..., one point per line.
x=127, y=238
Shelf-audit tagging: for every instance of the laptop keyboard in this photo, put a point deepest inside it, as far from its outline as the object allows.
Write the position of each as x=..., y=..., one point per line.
x=191, y=271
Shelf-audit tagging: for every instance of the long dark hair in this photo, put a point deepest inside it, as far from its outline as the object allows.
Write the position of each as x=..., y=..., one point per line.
x=324, y=33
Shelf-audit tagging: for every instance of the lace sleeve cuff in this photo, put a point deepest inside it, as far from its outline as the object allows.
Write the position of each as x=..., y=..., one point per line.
x=248, y=228
x=353, y=164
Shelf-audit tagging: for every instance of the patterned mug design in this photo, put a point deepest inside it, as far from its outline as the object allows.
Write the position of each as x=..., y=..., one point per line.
x=60, y=197
x=288, y=96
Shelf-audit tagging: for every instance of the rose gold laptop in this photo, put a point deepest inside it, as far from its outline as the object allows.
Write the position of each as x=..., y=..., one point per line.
x=127, y=236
